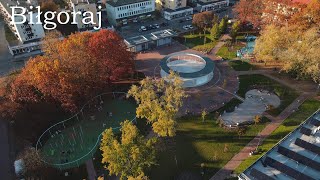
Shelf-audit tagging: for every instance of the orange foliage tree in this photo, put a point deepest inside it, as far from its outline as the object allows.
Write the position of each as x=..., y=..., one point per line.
x=82, y=65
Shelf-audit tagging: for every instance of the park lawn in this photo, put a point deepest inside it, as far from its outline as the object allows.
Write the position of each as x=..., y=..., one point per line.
x=199, y=142
x=196, y=42
x=286, y=94
x=240, y=65
x=229, y=53
x=292, y=122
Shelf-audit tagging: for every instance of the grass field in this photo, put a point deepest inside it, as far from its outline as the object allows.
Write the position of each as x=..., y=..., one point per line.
x=286, y=94
x=72, y=142
x=201, y=142
x=240, y=65
x=305, y=110
x=229, y=53
x=196, y=42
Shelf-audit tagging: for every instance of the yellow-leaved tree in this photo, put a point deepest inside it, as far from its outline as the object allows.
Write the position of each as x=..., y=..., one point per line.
x=128, y=156
x=159, y=100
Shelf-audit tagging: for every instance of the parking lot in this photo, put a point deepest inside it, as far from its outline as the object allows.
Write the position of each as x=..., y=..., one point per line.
x=177, y=25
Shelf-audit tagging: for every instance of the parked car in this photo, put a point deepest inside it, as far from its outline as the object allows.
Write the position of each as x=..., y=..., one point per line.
x=190, y=26
x=185, y=27
x=189, y=18
x=157, y=26
x=143, y=28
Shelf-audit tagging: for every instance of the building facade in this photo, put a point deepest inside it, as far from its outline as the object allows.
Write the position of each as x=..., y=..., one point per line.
x=85, y=6
x=212, y=5
x=121, y=12
x=24, y=32
x=173, y=9
x=150, y=41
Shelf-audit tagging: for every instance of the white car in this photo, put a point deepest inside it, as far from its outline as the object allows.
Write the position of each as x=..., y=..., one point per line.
x=189, y=18
x=143, y=28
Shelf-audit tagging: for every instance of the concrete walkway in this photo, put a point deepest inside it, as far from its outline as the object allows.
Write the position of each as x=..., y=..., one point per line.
x=92, y=175
x=251, y=146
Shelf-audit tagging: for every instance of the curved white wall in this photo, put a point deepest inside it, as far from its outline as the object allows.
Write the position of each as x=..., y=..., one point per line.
x=192, y=82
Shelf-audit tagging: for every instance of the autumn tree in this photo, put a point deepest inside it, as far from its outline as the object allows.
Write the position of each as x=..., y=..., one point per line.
x=159, y=100
x=223, y=25
x=234, y=30
x=32, y=163
x=73, y=70
x=215, y=32
x=257, y=119
x=308, y=17
x=204, y=113
x=241, y=131
x=48, y=5
x=128, y=156
x=296, y=51
x=270, y=45
x=250, y=11
x=203, y=20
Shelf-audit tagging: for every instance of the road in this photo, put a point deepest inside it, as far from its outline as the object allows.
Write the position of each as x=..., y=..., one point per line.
x=7, y=64
x=5, y=163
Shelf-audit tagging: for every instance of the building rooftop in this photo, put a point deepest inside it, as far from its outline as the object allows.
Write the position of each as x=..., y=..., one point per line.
x=206, y=3
x=22, y=3
x=294, y=157
x=178, y=9
x=131, y=41
x=116, y=3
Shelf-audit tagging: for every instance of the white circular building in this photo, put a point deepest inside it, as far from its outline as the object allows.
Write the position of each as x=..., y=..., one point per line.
x=194, y=70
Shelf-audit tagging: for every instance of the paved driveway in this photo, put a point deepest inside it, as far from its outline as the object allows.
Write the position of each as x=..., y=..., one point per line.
x=5, y=162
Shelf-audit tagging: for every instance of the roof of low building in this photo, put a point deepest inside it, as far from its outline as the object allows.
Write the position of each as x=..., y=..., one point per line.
x=116, y=3
x=295, y=156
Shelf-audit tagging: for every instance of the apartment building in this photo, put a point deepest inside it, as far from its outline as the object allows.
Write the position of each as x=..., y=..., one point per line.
x=212, y=5
x=122, y=12
x=85, y=6
x=172, y=9
x=296, y=156
x=24, y=32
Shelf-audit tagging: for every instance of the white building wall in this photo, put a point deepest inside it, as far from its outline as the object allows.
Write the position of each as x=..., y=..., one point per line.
x=129, y=10
x=29, y=32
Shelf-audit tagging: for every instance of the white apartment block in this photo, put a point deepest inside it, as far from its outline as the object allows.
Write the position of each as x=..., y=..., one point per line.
x=120, y=12
x=170, y=4
x=212, y=5
x=172, y=9
x=85, y=6
x=24, y=32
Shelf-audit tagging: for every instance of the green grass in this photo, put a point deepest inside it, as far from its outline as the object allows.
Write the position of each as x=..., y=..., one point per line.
x=286, y=94
x=80, y=134
x=229, y=53
x=199, y=142
x=305, y=110
x=240, y=65
x=196, y=42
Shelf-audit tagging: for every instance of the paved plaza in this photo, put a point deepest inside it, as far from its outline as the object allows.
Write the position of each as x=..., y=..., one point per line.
x=255, y=103
x=210, y=96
